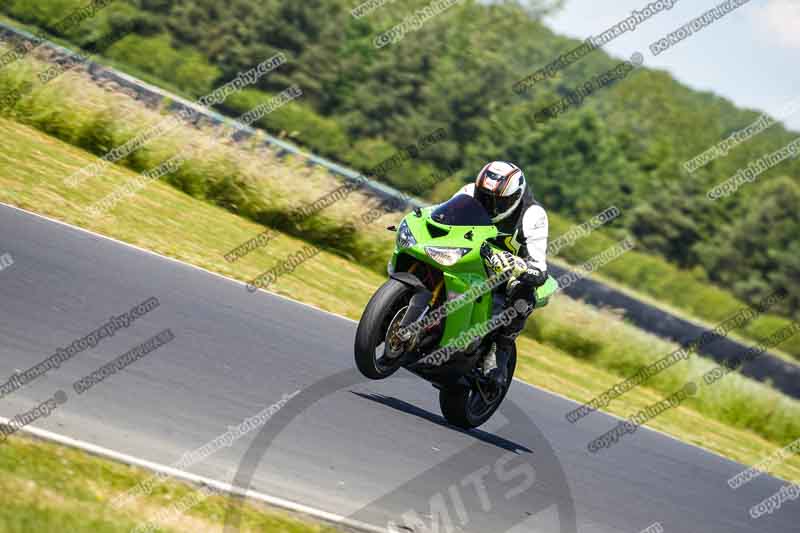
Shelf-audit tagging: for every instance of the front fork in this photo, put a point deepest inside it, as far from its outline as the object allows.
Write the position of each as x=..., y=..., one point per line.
x=422, y=302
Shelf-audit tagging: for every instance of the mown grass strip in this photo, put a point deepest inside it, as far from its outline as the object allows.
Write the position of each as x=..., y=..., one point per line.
x=54, y=488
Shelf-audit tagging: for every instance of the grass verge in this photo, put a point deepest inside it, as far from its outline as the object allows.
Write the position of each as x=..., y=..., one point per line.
x=54, y=488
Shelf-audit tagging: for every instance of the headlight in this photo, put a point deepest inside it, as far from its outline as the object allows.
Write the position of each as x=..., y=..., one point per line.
x=446, y=256
x=405, y=239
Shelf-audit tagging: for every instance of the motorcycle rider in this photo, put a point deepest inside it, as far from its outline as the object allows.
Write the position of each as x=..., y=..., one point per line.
x=502, y=190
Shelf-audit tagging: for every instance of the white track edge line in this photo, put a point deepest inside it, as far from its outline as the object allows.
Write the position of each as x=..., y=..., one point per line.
x=174, y=260
x=311, y=306
x=194, y=478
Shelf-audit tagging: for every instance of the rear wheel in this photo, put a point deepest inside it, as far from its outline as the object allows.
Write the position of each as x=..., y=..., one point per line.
x=469, y=408
x=377, y=353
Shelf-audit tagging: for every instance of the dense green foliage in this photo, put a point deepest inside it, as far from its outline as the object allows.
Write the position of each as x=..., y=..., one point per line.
x=624, y=145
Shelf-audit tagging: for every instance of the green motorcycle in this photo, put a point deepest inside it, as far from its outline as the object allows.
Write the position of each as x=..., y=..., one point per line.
x=428, y=316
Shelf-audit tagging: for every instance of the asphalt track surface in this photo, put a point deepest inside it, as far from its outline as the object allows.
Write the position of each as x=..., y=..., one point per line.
x=370, y=450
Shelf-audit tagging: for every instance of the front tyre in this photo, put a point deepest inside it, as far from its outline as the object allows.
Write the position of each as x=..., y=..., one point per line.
x=467, y=408
x=374, y=357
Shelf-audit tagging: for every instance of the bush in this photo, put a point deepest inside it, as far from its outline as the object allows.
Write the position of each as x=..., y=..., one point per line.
x=369, y=153
x=294, y=120
x=98, y=134
x=186, y=68
x=45, y=14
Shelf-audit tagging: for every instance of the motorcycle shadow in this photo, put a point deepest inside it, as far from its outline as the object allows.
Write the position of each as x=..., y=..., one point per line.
x=400, y=405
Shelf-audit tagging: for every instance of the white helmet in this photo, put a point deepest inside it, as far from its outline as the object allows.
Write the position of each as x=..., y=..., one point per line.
x=499, y=188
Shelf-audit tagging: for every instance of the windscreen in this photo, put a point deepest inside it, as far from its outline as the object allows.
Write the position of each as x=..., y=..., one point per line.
x=461, y=210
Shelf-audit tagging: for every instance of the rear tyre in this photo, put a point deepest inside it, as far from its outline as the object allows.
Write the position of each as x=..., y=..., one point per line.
x=371, y=346
x=466, y=408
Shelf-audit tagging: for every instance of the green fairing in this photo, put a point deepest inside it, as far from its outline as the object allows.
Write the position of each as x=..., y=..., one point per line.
x=466, y=272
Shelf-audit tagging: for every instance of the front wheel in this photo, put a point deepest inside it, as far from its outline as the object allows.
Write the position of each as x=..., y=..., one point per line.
x=468, y=408
x=375, y=354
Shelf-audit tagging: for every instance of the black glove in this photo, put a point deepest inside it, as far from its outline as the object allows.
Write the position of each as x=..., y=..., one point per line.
x=533, y=277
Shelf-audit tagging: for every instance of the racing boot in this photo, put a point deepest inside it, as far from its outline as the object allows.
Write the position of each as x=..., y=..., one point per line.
x=502, y=351
x=504, y=343
x=495, y=363
x=489, y=362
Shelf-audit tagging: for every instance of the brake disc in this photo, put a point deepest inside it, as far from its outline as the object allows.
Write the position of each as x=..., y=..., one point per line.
x=395, y=347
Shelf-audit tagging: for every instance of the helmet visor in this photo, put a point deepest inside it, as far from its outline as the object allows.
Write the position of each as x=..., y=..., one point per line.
x=496, y=205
